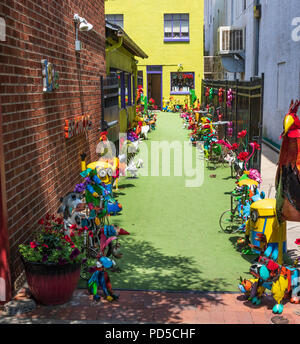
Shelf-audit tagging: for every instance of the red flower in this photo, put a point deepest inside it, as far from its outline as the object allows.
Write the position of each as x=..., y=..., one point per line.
x=59, y=220
x=67, y=238
x=44, y=245
x=73, y=226
x=90, y=234
x=33, y=244
x=234, y=146
x=243, y=156
x=255, y=145
x=242, y=133
x=297, y=242
x=41, y=222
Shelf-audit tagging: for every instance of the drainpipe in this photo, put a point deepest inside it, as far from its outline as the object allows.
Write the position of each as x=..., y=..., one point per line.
x=112, y=48
x=115, y=46
x=257, y=16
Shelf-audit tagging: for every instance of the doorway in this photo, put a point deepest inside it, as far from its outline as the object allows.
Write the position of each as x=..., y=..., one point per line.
x=154, y=84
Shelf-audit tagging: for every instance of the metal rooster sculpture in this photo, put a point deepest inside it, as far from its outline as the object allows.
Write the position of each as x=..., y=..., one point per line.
x=287, y=180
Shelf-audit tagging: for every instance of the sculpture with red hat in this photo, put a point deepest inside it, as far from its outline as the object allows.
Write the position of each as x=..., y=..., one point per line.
x=100, y=277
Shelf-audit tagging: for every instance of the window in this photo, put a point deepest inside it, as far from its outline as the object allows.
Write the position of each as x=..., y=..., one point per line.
x=176, y=27
x=116, y=19
x=128, y=89
x=182, y=82
x=140, y=78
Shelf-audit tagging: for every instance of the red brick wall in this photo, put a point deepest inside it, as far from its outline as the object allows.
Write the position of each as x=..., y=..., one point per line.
x=41, y=165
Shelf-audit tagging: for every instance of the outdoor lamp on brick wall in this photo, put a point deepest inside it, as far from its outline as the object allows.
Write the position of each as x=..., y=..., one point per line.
x=81, y=24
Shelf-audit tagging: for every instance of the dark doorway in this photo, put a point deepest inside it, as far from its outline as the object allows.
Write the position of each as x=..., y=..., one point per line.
x=154, y=83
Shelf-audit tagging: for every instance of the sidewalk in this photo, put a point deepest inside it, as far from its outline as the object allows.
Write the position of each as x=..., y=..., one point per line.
x=157, y=308
x=268, y=172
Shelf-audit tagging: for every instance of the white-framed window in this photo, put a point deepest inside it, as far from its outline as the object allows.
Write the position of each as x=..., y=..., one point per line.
x=182, y=82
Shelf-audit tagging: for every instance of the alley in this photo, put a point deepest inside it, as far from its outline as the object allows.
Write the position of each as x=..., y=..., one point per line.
x=175, y=242
x=150, y=162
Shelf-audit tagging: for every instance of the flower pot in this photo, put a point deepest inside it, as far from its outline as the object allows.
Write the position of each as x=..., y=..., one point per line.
x=52, y=284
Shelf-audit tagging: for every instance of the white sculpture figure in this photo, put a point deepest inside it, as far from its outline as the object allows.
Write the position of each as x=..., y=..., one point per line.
x=133, y=167
x=140, y=163
x=144, y=131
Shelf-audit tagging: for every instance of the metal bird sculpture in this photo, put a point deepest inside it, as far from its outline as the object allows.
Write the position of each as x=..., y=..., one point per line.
x=287, y=180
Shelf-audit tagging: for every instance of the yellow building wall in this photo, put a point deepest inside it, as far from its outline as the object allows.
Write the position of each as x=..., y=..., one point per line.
x=144, y=23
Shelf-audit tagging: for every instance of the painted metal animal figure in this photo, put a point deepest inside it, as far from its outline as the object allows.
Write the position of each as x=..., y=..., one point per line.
x=100, y=279
x=73, y=210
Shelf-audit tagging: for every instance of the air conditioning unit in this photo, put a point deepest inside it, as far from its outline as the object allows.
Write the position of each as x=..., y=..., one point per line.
x=231, y=40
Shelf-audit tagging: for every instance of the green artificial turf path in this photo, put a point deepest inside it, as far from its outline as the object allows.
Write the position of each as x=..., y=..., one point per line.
x=175, y=242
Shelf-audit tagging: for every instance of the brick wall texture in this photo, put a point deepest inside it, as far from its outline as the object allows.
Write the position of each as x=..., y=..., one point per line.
x=40, y=164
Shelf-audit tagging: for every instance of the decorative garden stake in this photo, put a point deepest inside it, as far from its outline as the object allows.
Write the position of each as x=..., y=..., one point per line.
x=220, y=94
x=229, y=98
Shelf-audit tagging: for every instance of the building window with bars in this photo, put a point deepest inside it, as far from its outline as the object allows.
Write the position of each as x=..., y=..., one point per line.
x=182, y=82
x=176, y=27
x=116, y=19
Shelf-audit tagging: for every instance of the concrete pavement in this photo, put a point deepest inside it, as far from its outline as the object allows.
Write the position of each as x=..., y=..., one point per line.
x=268, y=172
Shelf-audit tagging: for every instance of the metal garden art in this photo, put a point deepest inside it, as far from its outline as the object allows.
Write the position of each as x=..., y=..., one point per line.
x=266, y=228
x=81, y=242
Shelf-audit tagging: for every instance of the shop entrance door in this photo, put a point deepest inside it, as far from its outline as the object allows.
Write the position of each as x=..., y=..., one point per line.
x=154, y=83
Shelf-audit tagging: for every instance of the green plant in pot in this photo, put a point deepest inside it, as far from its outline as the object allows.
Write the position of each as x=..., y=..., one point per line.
x=53, y=260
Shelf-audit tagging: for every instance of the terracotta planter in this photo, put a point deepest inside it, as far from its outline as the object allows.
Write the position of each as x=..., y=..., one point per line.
x=52, y=284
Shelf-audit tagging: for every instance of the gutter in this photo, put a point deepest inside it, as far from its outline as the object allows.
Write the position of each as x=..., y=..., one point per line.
x=116, y=45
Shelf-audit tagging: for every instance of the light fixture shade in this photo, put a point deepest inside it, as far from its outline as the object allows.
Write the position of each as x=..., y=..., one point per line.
x=85, y=26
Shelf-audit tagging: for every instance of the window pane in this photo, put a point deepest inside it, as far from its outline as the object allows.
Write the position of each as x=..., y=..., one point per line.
x=120, y=23
x=168, y=16
x=168, y=29
x=184, y=26
x=176, y=16
x=140, y=78
x=184, y=17
x=176, y=29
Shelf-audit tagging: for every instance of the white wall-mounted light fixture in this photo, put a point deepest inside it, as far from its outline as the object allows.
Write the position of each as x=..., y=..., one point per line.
x=81, y=24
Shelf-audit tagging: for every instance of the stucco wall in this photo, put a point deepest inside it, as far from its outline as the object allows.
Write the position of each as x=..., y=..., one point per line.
x=280, y=61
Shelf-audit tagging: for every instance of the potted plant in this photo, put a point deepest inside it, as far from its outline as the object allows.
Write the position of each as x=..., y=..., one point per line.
x=53, y=260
